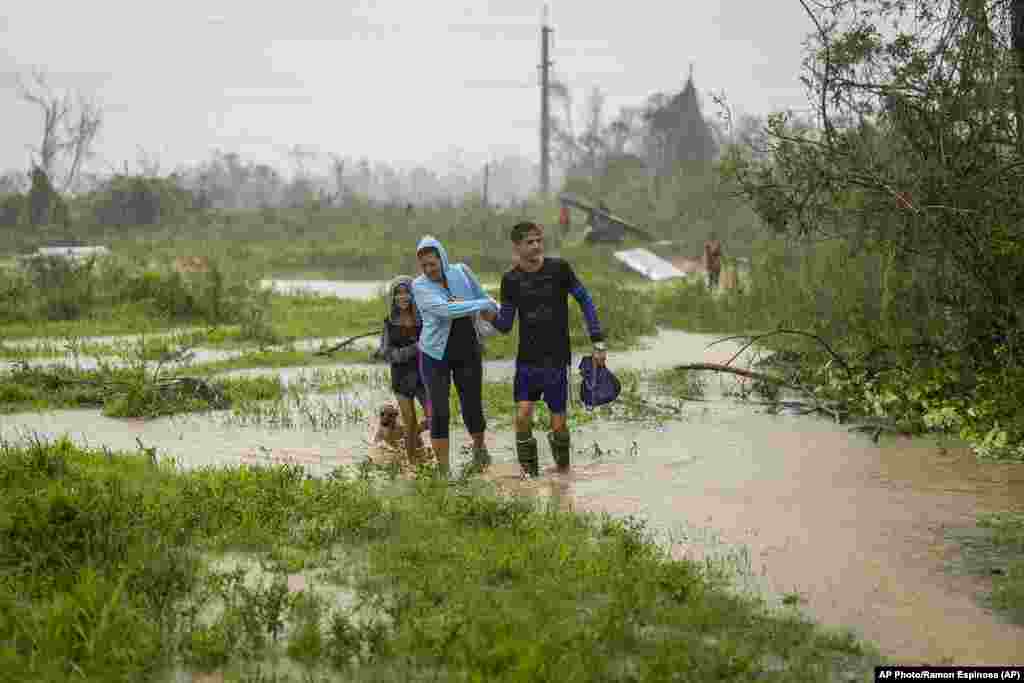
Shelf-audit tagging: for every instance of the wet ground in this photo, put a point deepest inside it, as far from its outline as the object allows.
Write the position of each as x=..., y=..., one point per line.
x=871, y=537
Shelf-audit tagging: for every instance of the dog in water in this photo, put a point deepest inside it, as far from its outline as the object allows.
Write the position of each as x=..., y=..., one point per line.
x=390, y=430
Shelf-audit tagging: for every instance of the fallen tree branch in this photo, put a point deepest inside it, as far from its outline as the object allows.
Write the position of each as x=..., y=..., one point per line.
x=753, y=339
x=343, y=344
x=831, y=408
x=749, y=374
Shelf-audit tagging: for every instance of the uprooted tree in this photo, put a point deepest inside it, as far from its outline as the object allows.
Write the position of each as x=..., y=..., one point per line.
x=917, y=156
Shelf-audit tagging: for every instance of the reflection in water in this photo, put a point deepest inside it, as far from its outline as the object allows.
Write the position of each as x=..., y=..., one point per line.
x=860, y=531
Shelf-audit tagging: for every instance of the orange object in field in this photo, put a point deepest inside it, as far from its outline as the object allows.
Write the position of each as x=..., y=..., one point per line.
x=563, y=216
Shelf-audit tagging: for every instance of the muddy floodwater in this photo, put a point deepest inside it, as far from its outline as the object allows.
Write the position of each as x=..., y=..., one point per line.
x=866, y=534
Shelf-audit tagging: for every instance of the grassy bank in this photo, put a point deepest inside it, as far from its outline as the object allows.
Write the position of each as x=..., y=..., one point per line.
x=115, y=569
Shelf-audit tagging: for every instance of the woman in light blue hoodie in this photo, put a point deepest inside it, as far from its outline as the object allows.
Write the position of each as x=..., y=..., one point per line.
x=448, y=296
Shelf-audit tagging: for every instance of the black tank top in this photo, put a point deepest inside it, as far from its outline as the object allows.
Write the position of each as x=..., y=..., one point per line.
x=462, y=340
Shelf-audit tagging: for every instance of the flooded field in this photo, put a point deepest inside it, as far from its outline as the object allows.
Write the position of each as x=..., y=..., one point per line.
x=354, y=289
x=864, y=534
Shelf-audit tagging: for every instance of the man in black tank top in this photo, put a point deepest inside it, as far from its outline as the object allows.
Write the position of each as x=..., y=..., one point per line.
x=538, y=288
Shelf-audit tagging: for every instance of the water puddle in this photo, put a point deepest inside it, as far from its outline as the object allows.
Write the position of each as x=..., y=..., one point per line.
x=342, y=289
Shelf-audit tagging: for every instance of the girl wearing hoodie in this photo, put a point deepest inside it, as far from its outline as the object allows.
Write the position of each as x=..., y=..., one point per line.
x=398, y=346
x=447, y=297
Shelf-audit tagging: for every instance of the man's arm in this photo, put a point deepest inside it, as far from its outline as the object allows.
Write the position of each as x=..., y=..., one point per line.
x=434, y=303
x=507, y=313
x=582, y=296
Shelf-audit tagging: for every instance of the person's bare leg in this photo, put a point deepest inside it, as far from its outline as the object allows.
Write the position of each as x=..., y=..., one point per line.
x=524, y=416
x=411, y=424
x=441, y=452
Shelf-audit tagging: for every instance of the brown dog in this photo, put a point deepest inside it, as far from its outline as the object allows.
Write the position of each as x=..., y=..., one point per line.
x=390, y=430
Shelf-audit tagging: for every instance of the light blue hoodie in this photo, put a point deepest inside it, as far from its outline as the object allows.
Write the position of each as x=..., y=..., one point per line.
x=432, y=300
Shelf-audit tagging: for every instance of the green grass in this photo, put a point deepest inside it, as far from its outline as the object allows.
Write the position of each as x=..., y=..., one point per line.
x=111, y=569
x=119, y=319
x=124, y=392
x=289, y=318
x=275, y=359
x=1008, y=588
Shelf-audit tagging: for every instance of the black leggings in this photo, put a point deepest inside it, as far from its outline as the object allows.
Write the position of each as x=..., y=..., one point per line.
x=468, y=374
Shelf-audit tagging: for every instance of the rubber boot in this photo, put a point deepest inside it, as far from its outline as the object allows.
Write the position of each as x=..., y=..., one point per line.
x=560, y=449
x=526, y=451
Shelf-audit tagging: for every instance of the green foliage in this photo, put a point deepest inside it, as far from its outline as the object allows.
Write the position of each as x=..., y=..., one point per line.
x=44, y=204
x=60, y=289
x=1008, y=589
x=13, y=210
x=914, y=370
x=138, y=200
x=905, y=165
x=133, y=391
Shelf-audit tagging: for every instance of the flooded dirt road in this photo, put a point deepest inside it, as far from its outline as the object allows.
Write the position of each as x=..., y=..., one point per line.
x=864, y=533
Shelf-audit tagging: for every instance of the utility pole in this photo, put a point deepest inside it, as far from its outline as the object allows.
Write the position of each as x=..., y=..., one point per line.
x=487, y=177
x=545, y=118
x=1017, y=42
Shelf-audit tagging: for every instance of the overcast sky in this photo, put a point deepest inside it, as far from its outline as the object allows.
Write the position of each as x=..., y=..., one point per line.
x=395, y=80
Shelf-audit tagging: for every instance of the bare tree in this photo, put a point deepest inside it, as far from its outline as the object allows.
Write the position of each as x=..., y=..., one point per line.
x=13, y=182
x=149, y=163
x=563, y=134
x=592, y=141
x=299, y=155
x=338, y=171
x=70, y=127
x=622, y=131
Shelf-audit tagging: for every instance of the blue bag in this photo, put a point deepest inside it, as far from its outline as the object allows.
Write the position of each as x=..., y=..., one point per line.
x=598, y=386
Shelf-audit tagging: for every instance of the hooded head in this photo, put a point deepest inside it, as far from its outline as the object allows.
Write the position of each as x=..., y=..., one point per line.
x=428, y=262
x=400, y=282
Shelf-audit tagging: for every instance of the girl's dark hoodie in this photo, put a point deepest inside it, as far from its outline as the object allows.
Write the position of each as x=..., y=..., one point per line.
x=395, y=346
